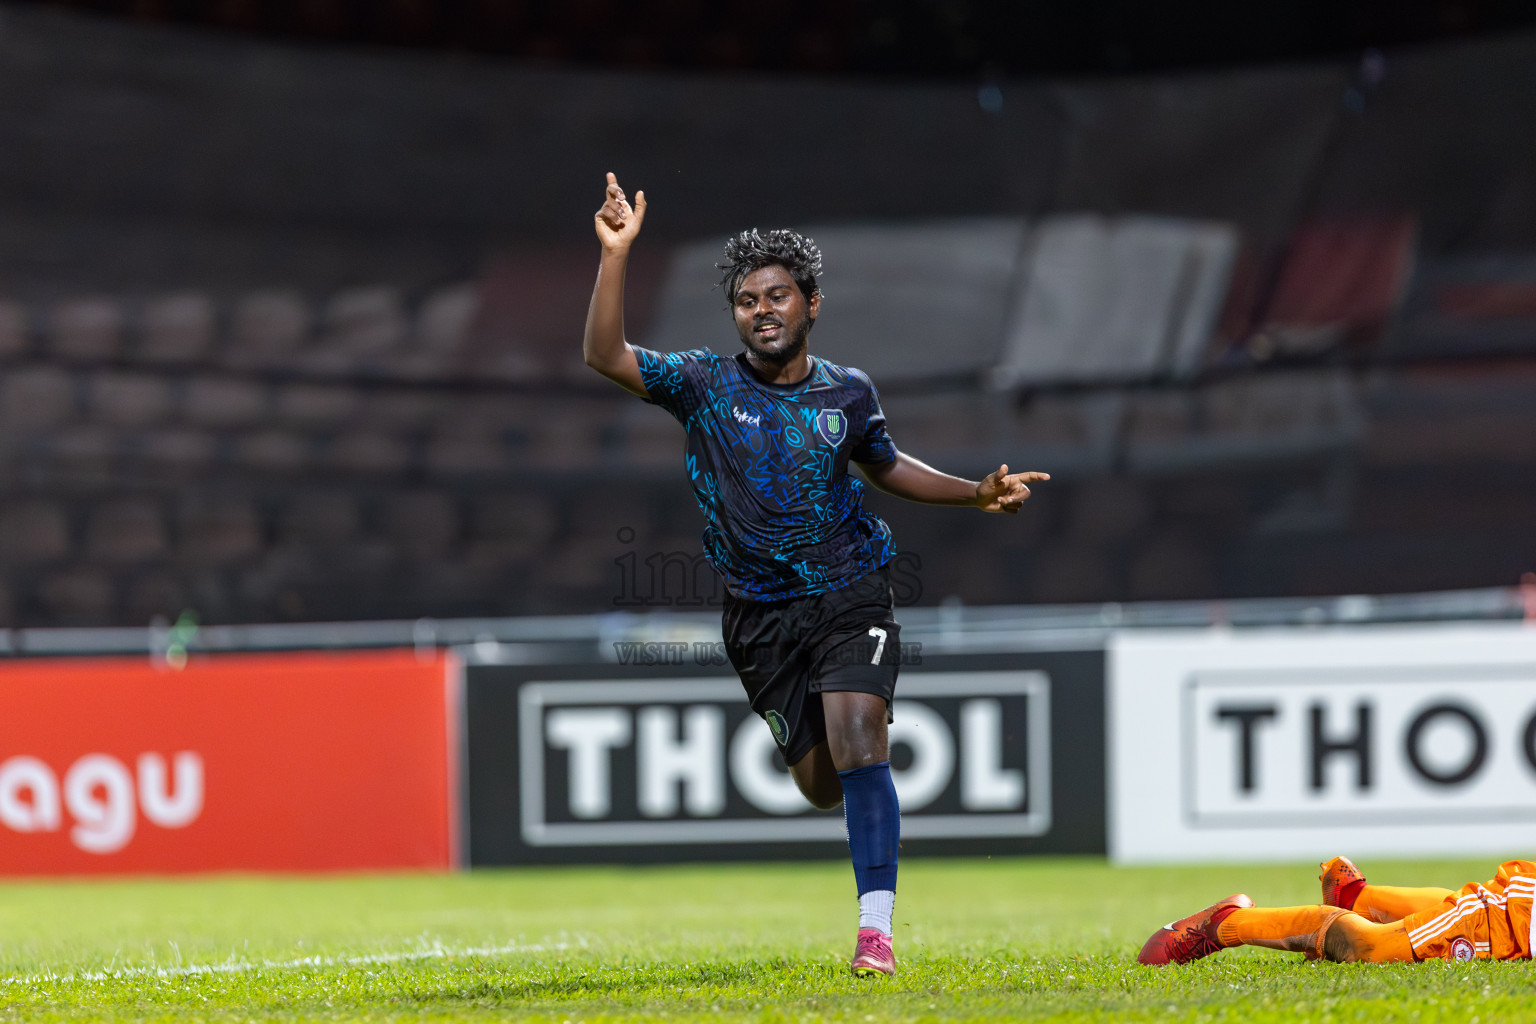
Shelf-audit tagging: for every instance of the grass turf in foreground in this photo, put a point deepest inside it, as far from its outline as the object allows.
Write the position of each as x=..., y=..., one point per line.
x=976, y=940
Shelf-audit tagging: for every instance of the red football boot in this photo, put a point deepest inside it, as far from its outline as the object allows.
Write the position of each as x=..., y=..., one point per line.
x=1192, y=937
x=872, y=955
x=1342, y=882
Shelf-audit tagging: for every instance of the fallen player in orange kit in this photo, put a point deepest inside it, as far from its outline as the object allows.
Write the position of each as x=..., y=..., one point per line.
x=1360, y=921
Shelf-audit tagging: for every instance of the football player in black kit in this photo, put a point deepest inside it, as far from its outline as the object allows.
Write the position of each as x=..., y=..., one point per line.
x=808, y=622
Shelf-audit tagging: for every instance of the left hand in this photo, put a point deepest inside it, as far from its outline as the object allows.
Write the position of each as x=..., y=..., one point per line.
x=1005, y=492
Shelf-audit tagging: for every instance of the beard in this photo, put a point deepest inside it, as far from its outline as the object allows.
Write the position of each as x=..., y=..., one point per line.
x=783, y=350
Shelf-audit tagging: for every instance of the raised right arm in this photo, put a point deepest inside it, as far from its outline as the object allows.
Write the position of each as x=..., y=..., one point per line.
x=603, y=345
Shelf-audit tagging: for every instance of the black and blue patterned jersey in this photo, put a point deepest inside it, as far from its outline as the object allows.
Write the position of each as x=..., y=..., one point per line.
x=769, y=465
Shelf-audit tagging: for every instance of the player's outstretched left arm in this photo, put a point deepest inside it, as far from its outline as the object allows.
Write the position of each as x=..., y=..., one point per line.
x=914, y=480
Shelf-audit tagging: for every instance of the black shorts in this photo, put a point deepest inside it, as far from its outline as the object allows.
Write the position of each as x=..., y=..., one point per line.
x=786, y=651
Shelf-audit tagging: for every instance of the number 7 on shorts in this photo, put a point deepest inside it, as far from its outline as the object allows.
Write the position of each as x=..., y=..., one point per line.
x=879, y=633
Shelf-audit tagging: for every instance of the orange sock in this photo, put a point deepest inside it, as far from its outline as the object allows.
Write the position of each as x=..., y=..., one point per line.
x=1295, y=929
x=1353, y=937
x=1395, y=902
x=1317, y=932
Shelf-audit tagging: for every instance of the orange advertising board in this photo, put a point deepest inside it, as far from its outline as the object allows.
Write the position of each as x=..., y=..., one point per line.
x=304, y=762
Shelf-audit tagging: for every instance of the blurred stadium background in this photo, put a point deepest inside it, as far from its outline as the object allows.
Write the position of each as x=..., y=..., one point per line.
x=289, y=313
x=290, y=305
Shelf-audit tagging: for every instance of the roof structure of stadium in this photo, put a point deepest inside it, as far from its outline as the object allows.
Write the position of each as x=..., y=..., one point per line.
x=943, y=38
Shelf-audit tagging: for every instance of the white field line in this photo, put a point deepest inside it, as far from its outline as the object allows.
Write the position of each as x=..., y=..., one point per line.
x=436, y=951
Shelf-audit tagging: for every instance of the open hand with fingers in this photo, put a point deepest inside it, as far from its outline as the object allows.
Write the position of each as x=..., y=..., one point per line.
x=1002, y=491
x=617, y=222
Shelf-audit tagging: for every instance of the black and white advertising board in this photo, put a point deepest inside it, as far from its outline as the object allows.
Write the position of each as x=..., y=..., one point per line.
x=1303, y=744
x=625, y=763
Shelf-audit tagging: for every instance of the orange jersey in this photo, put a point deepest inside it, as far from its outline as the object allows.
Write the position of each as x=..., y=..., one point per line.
x=1487, y=921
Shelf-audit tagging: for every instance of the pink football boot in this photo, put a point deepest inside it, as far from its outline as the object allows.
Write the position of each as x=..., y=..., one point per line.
x=873, y=955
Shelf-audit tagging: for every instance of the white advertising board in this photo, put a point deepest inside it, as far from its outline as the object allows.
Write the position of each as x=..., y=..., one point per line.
x=1303, y=744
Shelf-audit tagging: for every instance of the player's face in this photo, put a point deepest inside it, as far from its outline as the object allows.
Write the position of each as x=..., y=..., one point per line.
x=772, y=314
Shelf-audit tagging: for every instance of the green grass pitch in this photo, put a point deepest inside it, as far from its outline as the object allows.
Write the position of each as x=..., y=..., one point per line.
x=1005, y=939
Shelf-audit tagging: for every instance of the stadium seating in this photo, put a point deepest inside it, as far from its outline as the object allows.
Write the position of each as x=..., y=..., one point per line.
x=1475, y=304
x=37, y=397
x=270, y=371
x=271, y=451
x=375, y=451
x=268, y=328
x=125, y=531
x=33, y=531
x=128, y=398
x=215, y=531
x=77, y=595
x=86, y=330
x=176, y=330
x=14, y=329
x=222, y=401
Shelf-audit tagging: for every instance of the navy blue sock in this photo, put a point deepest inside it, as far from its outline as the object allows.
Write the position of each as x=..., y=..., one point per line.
x=874, y=825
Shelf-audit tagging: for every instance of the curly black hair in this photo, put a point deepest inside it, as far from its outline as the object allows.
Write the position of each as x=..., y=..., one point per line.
x=752, y=250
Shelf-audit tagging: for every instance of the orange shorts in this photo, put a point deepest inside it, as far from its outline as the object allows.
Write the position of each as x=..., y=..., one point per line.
x=1488, y=921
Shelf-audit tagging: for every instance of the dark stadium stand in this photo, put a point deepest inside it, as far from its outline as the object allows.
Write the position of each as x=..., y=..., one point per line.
x=1269, y=339
x=141, y=483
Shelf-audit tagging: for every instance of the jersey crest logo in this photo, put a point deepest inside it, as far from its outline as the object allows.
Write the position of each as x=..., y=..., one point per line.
x=1462, y=949
x=832, y=425
x=777, y=726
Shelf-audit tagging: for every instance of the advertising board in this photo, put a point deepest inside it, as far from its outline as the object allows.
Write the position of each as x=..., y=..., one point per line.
x=1384, y=740
x=236, y=762
x=627, y=762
